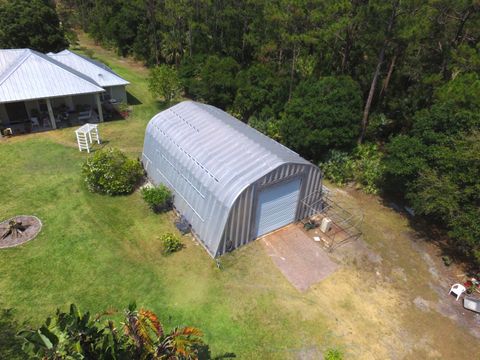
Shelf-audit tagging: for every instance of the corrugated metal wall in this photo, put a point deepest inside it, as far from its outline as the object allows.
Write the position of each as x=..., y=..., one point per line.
x=240, y=227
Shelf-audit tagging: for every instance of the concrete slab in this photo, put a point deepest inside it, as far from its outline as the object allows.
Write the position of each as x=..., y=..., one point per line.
x=302, y=261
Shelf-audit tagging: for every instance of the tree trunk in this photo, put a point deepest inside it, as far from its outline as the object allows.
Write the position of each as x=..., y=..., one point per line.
x=461, y=26
x=349, y=32
x=346, y=52
x=389, y=76
x=190, y=39
x=373, y=85
x=292, y=71
x=153, y=24
x=245, y=28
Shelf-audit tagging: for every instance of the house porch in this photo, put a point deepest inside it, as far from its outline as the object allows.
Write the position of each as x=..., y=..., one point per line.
x=50, y=113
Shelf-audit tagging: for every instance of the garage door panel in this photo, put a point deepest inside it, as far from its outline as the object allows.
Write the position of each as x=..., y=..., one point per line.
x=277, y=206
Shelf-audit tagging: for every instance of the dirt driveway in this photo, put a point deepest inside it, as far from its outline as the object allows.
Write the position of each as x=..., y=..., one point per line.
x=387, y=298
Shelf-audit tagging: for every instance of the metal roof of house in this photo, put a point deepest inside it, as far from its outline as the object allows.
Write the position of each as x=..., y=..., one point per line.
x=100, y=73
x=210, y=157
x=27, y=74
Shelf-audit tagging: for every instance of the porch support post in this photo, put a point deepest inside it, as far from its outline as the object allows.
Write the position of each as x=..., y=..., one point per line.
x=69, y=102
x=99, y=107
x=50, y=114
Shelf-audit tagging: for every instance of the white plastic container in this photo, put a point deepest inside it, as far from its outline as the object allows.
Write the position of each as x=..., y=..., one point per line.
x=326, y=225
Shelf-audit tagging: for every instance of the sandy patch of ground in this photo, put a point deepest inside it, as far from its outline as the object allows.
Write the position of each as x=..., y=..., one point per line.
x=388, y=299
x=395, y=291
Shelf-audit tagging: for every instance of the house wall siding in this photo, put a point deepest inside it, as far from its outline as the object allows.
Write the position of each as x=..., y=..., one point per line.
x=117, y=92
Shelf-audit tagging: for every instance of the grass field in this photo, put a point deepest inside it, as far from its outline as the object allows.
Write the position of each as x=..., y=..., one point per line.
x=103, y=252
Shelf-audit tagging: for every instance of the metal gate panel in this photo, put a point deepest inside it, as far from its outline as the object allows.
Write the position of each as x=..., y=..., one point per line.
x=277, y=206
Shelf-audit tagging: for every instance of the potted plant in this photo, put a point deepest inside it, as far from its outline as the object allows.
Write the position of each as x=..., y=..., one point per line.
x=470, y=286
x=123, y=109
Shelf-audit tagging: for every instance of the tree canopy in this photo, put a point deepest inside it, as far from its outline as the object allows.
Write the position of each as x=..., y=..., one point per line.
x=318, y=75
x=31, y=24
x=322, y=115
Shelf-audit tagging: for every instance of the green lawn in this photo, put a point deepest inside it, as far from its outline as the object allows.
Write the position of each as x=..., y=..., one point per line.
x=103, y=252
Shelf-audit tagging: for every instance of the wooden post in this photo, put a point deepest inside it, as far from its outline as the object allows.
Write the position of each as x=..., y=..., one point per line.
x=99, y=107
x=50, y=114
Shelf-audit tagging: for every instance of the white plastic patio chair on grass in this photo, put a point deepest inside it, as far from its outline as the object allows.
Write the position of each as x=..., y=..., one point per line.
x=457, y=289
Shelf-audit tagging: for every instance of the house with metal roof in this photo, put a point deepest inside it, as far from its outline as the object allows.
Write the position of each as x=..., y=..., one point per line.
x=39, y=91
x=232, y=183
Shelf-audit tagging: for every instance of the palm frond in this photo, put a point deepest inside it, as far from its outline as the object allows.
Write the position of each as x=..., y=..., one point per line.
x=183, y=341
x=152, y=319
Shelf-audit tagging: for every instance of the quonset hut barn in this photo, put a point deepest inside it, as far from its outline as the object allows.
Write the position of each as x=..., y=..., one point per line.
x=232, y=183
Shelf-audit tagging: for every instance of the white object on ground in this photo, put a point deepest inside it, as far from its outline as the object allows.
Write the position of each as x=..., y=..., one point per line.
x=316, y=238
x=457, y=289
x=326, y=225
x=86, y=135
x=471, y=304
x=34, y=121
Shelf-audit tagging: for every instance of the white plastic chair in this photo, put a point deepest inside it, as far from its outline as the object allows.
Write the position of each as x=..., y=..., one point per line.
x=457, y=289
x=35, y=122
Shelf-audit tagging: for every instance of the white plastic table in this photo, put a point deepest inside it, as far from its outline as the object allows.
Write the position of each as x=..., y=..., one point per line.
x=86, y=135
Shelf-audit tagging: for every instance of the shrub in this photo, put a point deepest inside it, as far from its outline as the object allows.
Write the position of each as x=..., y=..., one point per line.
x=79, y=335
x=447, y=260
x=333, y=354
x=158, y=198
x=124, y=109
x=163, y=81
x=368, y=168
x=109, y=171
x=170, y=243
x=364, y=166
x=338, y=168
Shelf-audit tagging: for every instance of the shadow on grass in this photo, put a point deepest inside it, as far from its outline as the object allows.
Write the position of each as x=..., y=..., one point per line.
x=132, y=100
x=10, y=344
x=448, y=250
x=96, y=147
x=426, y=230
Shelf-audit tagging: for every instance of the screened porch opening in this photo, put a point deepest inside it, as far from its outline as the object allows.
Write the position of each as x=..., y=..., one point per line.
x=38, y=115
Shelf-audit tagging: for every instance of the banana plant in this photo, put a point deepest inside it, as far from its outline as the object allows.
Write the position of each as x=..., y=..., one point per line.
x=75, y=335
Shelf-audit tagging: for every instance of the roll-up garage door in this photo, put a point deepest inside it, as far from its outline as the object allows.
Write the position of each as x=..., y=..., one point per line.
x=277, y=206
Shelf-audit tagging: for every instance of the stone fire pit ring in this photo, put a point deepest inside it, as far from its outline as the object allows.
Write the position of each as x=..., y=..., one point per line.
x=33, y=226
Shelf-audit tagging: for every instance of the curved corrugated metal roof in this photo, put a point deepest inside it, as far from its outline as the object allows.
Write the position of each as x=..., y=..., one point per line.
x=208, y=157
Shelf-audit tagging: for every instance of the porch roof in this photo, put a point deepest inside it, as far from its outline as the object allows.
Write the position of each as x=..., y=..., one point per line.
x=27, y=74
x=98, y=72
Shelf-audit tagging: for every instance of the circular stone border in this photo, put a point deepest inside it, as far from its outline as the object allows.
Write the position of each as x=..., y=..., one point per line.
x=28, y=236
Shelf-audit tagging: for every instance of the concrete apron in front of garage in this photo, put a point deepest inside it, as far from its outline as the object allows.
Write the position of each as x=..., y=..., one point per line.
x=302, y=261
